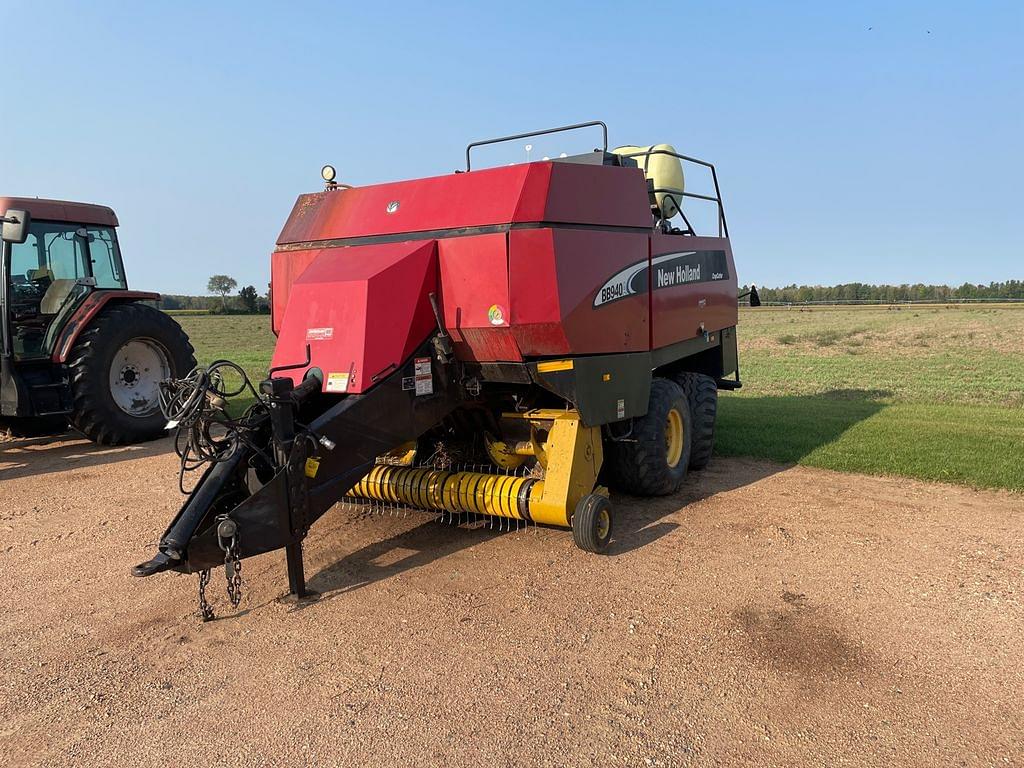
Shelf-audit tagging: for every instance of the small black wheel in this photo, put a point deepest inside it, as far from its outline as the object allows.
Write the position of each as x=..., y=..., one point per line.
x=654, y=459
x=592, y=523
x=702, y=392
x=116, y=367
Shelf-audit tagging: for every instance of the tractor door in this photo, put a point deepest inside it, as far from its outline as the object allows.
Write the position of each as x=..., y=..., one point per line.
x=51, y=273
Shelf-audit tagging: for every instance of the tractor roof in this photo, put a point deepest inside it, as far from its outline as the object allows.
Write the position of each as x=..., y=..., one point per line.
x=61, y=210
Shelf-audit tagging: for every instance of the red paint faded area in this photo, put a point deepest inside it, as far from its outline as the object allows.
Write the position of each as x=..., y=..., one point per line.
x=361, y=309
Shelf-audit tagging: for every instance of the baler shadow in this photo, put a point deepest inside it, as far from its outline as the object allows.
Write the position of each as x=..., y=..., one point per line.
x=35, y=456
x=384, y=559
x=787, y=428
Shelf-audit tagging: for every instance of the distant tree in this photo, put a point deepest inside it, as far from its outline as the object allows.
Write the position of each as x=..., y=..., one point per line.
x=250, y=299
x=222, y=285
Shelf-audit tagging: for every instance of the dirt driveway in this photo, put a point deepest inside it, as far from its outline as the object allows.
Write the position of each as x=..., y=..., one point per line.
x=765, y=616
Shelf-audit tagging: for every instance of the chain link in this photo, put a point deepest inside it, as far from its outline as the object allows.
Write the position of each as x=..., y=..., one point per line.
x=233, y=572
x=205, y=609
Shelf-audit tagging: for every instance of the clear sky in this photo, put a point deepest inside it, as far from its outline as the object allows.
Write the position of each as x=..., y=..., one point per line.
x=858, y=141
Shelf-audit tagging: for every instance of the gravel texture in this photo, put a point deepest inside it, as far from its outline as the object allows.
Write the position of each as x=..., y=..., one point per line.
x=763, y=616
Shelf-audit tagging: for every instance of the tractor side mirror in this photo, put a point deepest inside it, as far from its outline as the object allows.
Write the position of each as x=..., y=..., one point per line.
x=15, y=226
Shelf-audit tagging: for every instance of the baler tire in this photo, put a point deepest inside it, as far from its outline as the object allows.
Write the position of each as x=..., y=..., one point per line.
x=702, y=392
x=592, y=523
x=96, y=413
x=640, y=464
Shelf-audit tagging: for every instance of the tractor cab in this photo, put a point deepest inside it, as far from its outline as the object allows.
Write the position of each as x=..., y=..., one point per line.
x=63, y=259
x=75, y=344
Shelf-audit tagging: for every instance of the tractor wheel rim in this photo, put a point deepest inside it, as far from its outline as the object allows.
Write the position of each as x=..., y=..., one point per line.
x=604, y=524
x=135, y=375
x=674, y=437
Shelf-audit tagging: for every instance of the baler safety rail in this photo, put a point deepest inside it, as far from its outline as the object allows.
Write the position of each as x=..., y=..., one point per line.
x=723, y=227
x=545, y=131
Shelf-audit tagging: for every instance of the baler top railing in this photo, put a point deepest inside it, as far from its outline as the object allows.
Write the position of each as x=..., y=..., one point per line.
x=723, y=227
x=576, y=126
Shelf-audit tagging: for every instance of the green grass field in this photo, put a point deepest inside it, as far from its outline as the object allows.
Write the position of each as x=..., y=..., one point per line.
x=931, y=392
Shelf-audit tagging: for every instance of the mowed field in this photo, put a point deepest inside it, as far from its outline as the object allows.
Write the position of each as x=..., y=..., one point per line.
x=932, y=392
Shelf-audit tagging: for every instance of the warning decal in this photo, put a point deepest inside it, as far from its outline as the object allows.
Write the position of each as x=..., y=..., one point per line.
x=337, y=382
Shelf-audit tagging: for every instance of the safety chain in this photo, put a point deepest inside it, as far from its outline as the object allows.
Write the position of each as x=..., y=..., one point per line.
x=227, y=540
x=205, y=609
x=233, y=572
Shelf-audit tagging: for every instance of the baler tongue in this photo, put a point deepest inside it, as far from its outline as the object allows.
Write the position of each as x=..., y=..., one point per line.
x=310, y=436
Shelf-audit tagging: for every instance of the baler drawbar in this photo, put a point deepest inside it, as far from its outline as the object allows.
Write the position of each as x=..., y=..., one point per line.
x=496, y=345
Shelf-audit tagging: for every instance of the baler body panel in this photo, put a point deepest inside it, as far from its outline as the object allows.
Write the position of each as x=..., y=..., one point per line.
x=534, y=192
x=362, y=310
x=693, y=287
x=555, y=276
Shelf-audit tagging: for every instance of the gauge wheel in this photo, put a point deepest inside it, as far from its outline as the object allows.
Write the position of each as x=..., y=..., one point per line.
x=592, y=523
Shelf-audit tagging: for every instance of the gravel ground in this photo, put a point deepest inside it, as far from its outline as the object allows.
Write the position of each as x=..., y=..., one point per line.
x=764, y=616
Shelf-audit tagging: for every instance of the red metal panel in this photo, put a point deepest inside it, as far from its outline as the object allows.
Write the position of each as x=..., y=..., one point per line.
x=595, y=194
x=678, y=310
x=555, y=275
x=285, y=267
x=533, y=192
x=474, y=296
x=362, y=310
x=87, y=310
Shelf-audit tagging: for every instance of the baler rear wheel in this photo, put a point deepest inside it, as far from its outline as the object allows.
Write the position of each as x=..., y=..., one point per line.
x=654, y=459
x=702, y=392
x=115, y=367
x=592, y=523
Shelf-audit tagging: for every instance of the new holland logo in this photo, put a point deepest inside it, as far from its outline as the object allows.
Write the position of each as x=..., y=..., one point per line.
x=392, y=206
x=663, y=271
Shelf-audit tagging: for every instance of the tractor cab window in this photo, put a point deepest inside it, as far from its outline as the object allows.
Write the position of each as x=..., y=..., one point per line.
x=45, y=272
x=105, y=257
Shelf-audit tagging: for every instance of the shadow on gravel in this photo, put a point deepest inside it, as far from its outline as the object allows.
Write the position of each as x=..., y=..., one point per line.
x=416, y=547
x=34, y=456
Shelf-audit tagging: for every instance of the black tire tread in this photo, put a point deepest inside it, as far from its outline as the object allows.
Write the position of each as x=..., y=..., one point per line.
x=92, y=415
x=702, y=393
x=584, y=523
x=637, y=465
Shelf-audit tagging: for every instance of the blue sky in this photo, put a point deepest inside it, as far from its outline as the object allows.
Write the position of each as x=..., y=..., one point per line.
x=872, y=141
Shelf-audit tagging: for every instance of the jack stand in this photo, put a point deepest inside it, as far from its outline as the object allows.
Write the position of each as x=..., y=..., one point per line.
x=296, y=573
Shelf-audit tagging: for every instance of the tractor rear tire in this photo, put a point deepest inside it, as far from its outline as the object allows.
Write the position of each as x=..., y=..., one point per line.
x=592, y=523
x=702, y=392
x=653, y=460
x=115, y=367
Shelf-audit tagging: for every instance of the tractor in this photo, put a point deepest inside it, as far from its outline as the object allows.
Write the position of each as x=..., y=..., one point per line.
x=495, y=346
x=76, y=345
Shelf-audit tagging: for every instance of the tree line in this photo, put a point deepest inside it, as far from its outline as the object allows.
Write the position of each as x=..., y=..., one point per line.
x=797, y=294
x=247, y=301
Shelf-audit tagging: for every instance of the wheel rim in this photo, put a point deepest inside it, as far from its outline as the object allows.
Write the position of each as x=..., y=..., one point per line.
x=674, y=437
x=604, y=524
x=135, y=375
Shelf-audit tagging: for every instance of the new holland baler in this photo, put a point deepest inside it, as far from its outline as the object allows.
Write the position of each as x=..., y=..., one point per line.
x=497, y=344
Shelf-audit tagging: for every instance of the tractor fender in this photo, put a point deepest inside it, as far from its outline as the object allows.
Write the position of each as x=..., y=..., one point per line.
x=87, y=310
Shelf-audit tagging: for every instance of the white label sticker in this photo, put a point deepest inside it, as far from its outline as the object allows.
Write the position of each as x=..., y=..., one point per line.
x=620, y=408
x=337, y=382
x=424, y=377
x=319, y=334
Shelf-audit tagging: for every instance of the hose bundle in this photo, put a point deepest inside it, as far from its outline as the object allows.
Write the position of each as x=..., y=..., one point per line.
x=198, y=405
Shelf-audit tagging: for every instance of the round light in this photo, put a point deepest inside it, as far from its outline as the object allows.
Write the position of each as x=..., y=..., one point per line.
x=328, y=173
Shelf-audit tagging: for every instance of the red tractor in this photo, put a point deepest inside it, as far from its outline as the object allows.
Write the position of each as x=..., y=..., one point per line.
x=495, y=346
x=75, y=344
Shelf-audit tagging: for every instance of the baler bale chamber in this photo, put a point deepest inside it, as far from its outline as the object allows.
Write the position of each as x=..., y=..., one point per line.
x=497, y=345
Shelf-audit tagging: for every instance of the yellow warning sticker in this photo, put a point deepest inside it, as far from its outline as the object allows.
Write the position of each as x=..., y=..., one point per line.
x=337, y=382
x=550, y=366
x=312, y=466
